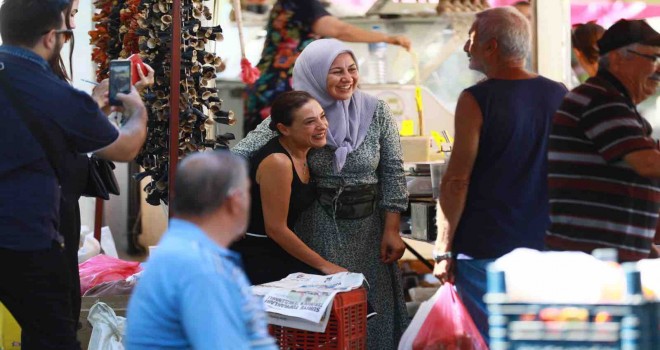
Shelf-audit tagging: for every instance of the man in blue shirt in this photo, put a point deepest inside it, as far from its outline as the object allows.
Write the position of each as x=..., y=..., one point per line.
x=35, y=283
x=193, y=293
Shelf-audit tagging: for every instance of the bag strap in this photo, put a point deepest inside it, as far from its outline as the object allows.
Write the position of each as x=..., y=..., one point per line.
x=35, y=127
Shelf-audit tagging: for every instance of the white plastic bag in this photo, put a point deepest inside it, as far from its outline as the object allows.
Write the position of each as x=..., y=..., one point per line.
x=108, y=328
x=90, y=248
x=568, y=277
x=108, y=243
x=84, y=231
x=410, y=334
x=650, y=270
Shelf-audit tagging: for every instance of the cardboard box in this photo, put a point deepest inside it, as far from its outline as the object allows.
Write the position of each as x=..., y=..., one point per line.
x=415, y=148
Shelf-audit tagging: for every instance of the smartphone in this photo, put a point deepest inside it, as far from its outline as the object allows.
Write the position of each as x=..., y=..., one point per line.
x=120, y=80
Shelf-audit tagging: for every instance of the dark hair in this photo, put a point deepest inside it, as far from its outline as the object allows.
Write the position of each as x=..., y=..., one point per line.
x=23, y=22
x=283, y=107
x=204, y=180
x=584, y=38
x=57, y=65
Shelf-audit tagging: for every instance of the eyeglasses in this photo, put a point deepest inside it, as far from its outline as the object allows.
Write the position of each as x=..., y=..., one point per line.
x=654, y=58
x=68, y=33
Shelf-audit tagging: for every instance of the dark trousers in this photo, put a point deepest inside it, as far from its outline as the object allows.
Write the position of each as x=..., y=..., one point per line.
x=70, y=230
x=35, y=287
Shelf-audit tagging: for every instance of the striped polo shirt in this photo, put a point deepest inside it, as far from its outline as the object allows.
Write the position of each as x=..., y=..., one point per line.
x=596, y=199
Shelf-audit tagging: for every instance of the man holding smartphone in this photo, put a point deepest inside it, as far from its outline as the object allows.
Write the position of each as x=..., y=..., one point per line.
x=42, y=115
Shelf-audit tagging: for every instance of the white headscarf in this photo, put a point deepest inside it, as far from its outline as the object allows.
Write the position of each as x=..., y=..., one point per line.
x=348, y=120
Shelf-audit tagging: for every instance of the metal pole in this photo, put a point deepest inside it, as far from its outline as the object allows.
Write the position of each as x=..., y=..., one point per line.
x=419, y=256
x=98, y=218
x=175, y=78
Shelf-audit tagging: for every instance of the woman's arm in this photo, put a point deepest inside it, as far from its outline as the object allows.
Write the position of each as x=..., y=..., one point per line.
x=391, y=246
x=274, y=177
x=332, y=27
x=145, y=80
x=394, y=192
x=254, y=140
x=391, y=177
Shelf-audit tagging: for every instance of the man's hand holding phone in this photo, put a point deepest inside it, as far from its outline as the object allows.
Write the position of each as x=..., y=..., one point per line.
x=107, y=93
x=130, y=103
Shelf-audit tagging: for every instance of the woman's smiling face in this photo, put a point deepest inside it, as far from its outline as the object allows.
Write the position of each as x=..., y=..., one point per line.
x=342, y=77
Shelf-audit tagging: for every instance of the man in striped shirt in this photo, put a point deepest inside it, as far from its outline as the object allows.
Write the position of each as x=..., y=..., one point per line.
x=603, y=165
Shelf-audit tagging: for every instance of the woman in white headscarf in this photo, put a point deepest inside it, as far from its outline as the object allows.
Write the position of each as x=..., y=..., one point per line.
x=362, y=189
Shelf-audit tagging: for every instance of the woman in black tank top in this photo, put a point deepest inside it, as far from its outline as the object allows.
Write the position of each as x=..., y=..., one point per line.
x=281, y=190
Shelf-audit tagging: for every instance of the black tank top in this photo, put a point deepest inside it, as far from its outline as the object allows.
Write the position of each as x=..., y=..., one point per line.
x=302, y=194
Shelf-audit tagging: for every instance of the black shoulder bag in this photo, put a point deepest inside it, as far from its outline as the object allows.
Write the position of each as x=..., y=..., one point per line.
x=101, y=178
x=101, y=181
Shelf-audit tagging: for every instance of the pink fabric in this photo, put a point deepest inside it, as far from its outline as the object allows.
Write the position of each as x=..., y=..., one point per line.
x=604, y=12
x=103, y=268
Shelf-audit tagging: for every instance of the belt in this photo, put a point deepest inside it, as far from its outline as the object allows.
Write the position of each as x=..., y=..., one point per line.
x=347, y=189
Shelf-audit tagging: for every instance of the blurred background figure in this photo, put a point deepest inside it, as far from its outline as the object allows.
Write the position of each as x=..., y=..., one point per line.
x=603, y=163
x=525, y=7
x=583, y=39
x=292, y=25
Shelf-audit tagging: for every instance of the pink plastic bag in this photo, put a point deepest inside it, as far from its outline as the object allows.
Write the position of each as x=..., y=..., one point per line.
x=449, y=326
x=103, y=268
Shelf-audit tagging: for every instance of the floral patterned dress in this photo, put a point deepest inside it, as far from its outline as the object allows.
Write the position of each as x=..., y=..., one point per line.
x=355, y=244
x=289, y=30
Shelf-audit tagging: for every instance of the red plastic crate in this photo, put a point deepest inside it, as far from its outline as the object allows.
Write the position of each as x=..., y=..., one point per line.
x=347, y=327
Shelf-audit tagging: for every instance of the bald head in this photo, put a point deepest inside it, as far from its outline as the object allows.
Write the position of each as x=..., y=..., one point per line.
x=204, y=180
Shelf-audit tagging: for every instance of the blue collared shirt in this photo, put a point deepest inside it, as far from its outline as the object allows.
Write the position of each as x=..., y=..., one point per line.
x=29, y=190
x=193, y=294
x=25, y=54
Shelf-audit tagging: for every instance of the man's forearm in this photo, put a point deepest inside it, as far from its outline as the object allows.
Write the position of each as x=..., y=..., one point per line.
x=136, y=131
x=131, y=138
x=453, y=194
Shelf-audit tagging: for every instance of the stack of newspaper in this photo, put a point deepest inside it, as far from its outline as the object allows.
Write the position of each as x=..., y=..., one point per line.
x=304, y=301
